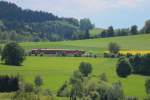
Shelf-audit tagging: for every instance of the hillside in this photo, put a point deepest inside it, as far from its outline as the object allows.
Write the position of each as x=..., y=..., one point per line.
x=56, y=70
x=95, y=31
x=99, y=45
x=17, y=24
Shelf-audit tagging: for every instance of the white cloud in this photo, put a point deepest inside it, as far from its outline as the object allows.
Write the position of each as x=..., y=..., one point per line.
x=78, y=8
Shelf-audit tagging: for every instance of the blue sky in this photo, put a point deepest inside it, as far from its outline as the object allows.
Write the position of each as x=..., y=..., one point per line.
x=103, y=13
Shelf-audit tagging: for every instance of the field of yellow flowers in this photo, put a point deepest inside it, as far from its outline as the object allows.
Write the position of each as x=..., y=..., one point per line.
x=134, y=52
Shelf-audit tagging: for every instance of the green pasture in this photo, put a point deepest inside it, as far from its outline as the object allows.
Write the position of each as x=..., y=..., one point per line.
x=56, y=70
x=96, y=31
x=99, y=45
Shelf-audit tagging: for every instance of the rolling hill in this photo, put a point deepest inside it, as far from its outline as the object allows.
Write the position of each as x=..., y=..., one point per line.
x=56, y=70
x=95, y=31
x=99, y=45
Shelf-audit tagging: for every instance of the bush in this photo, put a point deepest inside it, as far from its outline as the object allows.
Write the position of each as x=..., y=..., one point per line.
x=24, y=96
x=103, y=77
x=124, y=68
x=13, y=54
x=63, y=91
x=28, y=87
x=38, y=81
x=131, y=98
x=9, y=84
x=113, y=48
x=85, y=68
x=117, y=91
x=136, y=62
x=145, y=67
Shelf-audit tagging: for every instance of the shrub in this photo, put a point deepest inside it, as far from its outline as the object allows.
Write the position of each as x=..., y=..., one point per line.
x=131, y=98
x=13, y=54
x=9, y=84
x=117, y=91
x=85, y=68
x=24, y=96
x=38, y=81
x=113, y=48
x=76, y=82
x=124, y=68
x=28, y=87
x=145, y=70
x=103, y=77
x=63, y=91
x=136, y=62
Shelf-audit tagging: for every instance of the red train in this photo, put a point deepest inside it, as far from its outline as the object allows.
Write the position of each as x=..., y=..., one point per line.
x=57, y=51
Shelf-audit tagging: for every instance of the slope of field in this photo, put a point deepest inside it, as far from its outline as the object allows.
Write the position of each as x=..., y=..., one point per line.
x=99, y=45
x=95, y=31
x=56, y=70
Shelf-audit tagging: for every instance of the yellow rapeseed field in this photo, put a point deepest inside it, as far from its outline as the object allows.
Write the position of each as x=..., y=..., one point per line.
x=134, y=52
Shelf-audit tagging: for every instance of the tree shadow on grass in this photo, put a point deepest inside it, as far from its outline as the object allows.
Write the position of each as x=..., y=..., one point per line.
x=11, y=65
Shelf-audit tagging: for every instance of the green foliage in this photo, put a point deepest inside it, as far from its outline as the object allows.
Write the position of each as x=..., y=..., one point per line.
x=131, y=98
x=103, y=77
x=85, y=68
x=87, y=34
x=76, y=82
x=0, y=50
x=110, y=31
x=145, y=65
x=147, y=86
x=140, y=64
x=122, y=32
x=117, y=93
x=103, y=91
x=134, y=29
x=28, y=87
x=18, y=25
x=147, y=26
x=9, y=84
x=96, y=32
x=136, y=63
x=113, y=48
x=63, y=91
x=38, y=81
x=124, y=68
x=13, y=54
x=65, y=67
x=85, y=24
x=24, y=96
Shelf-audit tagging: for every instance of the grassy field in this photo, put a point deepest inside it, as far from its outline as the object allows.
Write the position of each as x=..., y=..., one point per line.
x=56, y=70
x=95, y=31
x=138, y=42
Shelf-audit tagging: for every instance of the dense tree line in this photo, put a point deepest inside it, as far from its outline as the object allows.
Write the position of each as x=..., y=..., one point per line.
x=140, y=64
x=133, y=30
x=11, y=12
x=136, y=64
x=17, y=24
x=9, y=84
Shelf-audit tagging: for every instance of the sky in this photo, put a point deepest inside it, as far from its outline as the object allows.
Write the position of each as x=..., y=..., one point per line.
x=103, y=13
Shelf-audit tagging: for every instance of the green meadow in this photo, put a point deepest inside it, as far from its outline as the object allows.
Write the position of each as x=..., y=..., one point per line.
x=99, y=45
x=56, y=70
x=96, y=31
